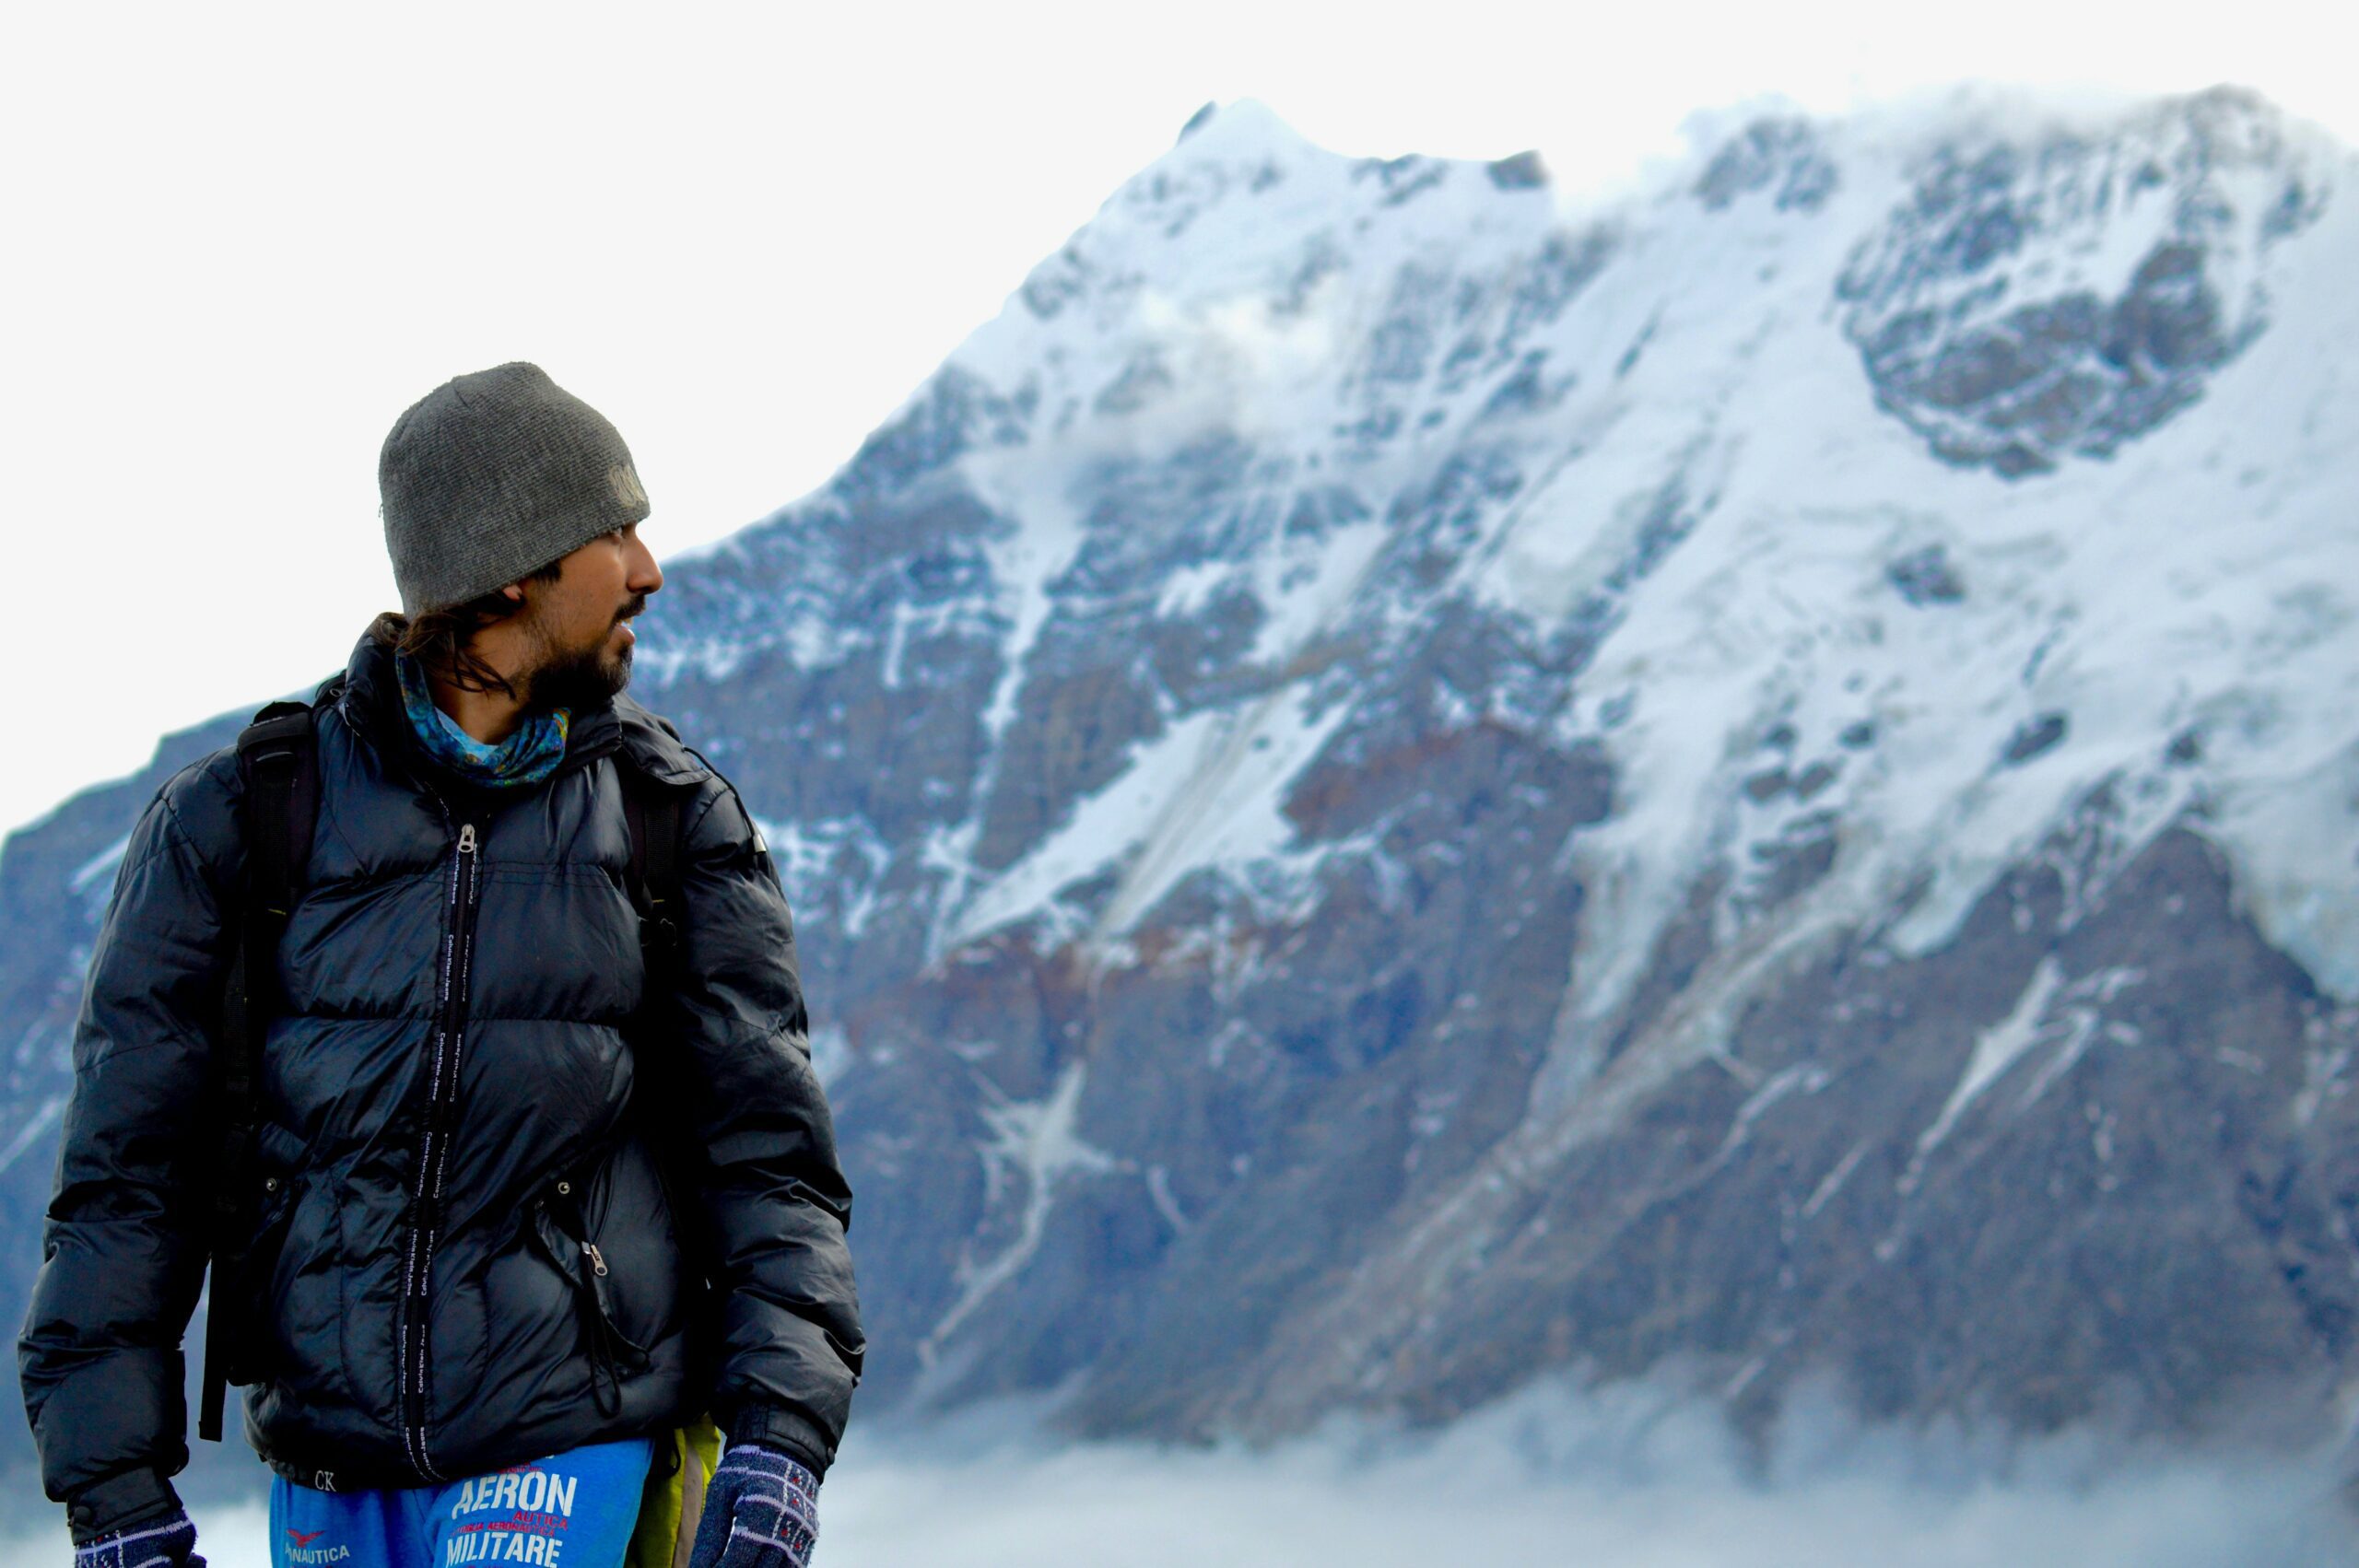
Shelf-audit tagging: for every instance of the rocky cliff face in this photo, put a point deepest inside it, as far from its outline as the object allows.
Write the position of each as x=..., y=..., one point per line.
x=1393, y=781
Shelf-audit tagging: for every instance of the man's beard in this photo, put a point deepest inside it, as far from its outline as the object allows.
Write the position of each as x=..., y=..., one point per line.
x=579, y=677
x=578, y=681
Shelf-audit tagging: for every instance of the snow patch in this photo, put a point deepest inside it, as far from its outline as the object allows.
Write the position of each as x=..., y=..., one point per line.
x=1036, y=1142
x=1101, y=826
x=1995, y=1050
x=49, y=1114
x=2065, y=1018
x=1229, y=811
x=88, y=874
x=1159, y=1187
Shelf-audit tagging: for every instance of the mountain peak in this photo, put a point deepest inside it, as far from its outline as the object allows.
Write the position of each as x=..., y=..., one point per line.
x=1236, y=129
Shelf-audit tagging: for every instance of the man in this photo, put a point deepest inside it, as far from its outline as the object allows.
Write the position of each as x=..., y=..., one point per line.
x=497, y=1161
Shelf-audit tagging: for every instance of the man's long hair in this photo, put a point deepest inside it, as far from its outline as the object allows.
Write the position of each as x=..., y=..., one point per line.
x=440, y=640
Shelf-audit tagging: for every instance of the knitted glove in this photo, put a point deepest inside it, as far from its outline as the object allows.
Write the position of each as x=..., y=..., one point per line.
x=761, y=1511
x=168, y=1542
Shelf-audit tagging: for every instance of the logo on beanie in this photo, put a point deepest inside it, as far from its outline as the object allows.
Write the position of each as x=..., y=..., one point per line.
x=626, y=485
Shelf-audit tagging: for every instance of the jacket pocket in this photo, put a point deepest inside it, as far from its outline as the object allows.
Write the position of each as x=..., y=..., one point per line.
x=556, y=1233
x=254, y=1265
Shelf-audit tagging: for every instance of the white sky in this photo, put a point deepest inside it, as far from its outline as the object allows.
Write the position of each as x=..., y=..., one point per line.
x=239, y=239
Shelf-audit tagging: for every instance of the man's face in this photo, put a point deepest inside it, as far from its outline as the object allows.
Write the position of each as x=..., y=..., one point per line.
x=578, y=642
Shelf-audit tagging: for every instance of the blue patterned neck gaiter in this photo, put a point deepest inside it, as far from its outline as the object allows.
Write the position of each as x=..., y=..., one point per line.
x=527, y=756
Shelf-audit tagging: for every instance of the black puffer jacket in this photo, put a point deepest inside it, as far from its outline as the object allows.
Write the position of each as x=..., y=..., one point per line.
x=459, y=1272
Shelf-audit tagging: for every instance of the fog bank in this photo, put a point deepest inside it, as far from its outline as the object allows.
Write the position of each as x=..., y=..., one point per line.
x=1634, y=1477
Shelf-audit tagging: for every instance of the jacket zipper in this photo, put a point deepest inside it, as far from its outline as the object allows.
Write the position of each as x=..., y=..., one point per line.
x=441, y=1098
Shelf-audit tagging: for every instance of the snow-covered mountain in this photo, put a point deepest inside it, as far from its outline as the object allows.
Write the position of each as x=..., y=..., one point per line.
x=1398, y=779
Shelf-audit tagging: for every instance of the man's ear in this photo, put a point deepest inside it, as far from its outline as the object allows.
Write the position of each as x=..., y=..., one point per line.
x=513, y=593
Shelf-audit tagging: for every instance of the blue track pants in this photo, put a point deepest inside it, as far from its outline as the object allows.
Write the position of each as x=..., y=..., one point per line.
x=572, y=1510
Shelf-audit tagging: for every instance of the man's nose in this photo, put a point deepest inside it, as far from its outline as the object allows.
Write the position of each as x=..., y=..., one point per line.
x=646, y=577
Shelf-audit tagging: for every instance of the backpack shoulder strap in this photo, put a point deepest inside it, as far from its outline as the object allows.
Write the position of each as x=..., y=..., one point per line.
x=278, y=758
x=652, y=811
x=278, y=761
x=652, y=806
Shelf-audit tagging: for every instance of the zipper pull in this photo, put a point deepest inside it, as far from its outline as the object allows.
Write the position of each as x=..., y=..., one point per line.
x=467, y=838
x=597, y=1262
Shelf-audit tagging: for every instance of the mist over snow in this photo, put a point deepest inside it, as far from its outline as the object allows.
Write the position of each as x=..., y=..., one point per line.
x=1636, y=1476
x=1547, y=1480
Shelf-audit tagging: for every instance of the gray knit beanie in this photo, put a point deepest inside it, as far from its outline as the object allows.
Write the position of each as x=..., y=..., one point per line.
x=491, y=477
